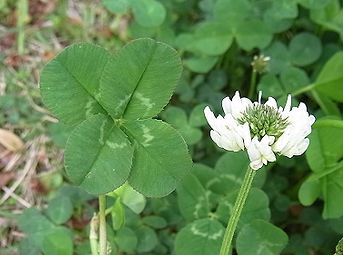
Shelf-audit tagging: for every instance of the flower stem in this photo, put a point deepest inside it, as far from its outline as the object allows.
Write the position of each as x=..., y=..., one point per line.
x=102, y=226
x=237, y=210
x=252, y=84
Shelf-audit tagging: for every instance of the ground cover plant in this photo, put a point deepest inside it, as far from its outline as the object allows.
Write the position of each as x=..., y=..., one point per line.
x=60, y=61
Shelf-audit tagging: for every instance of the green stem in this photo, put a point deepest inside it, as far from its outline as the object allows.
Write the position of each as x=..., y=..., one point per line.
x=93, y=234
x=237, y=210
x=102, y=226
x=22, y=18
x=252, y=84
x=304, y=89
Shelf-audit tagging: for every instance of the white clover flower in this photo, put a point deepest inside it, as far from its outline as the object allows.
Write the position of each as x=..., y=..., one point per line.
x=262, y=129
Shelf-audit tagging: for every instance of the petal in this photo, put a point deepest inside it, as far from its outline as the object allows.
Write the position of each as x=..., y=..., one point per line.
x=281, y=142
x=253, y=153
x=245, y=134
x=226, y=104
x=255, y=165
x=302, y=147
x=288, y=105
x=265, y=150
x=312, y=119
x=215, y=136
x=271, y=102
x=211, y=119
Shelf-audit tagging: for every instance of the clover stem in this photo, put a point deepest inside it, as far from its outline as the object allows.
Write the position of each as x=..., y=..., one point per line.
x=102, y=226
x=236, y=211
x=252, y=84
x=93, y=234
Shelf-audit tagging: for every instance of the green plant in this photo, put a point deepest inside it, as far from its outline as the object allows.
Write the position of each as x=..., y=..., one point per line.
x=110, y=99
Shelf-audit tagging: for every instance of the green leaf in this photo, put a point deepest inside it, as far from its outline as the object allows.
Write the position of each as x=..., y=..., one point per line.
x=270, y=86
x=197, y=117
x=116, y=6
x=256, y=207
x=134, y=200
x=325, y=149
x=324, y=157
x=280, y=57
x=98, y=155
x=314, y=4
x=200, y=64
x=232, y=11
x=36, y=226
x=60, y=209
x=146, y=68
x=212, y=38
x=148, y=13
x=230, y=170
x=58, y=242
x=261, y=238
x=118, y=214
x=126, y=239
x=252, y=33
x=192, y=199
x=333, y=194
x=27, y=247
x=293, y=78
x=175, y=116
x=44, y=235
x=305, y=48
x=309, y=191
x=329, y=17
x=330, y=79
x=147, y=239
x=178, y=119
x=201, y=237
x=155, y=221
x=69, y=83
x=153, y=173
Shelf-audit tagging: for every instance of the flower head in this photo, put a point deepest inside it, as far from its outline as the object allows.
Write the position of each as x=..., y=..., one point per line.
x=261, y=129
x=260, y=63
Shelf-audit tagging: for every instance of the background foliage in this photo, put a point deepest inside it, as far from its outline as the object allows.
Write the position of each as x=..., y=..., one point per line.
x=295, y=205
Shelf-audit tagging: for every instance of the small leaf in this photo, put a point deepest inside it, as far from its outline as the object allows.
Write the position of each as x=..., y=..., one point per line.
x=116, y=6
x=260, y=238
x=330, y=79
x=126, y=239
x=53, y=241
x=253, y=33
x=256, y=207
x=230, y=173
x=212, y=38
x=98, y=155
x=153, y=172
x=197, y=117
x=147, y=69
x=333, y=194
x=293, y=78
x=70, y=82
x=201, y=237
x=305, y=48
x=155, y=221
x=192, y=199
x=200, y=64
x=118, y=215
x=147, y=239
x=60, y=209
x=270, y=86
x=309, y=191
x=134, y=200
x=148, y=13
